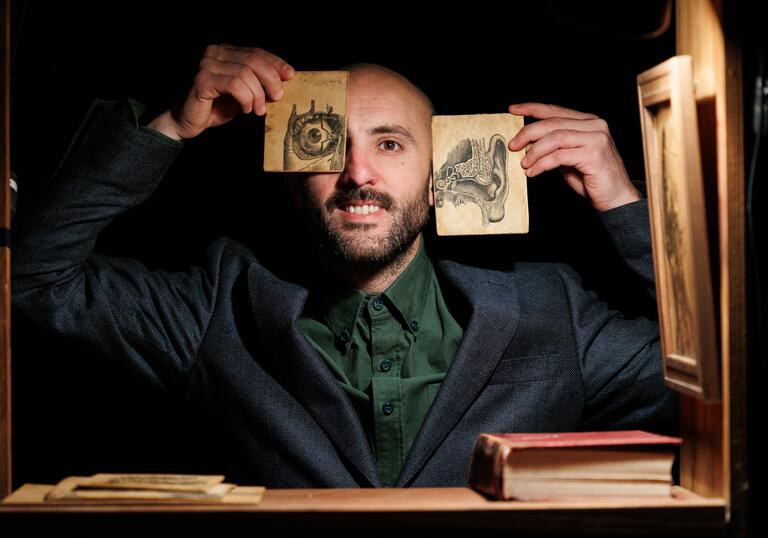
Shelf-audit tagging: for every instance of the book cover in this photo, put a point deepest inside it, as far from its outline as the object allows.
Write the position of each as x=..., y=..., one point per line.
x=550, y=465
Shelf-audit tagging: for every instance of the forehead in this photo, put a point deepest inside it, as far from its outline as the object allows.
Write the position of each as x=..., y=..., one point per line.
x=379, y=97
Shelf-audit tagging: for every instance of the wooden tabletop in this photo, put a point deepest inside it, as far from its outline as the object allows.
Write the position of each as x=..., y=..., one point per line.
x=31, y=498
x=340, y=512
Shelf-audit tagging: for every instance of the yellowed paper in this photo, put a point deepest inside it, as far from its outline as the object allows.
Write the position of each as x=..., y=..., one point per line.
x=156, y=482
x=479, y=185
x=305, y=131
x=70, y=489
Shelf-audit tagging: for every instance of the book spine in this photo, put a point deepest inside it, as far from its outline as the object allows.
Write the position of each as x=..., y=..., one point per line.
x=486, y=467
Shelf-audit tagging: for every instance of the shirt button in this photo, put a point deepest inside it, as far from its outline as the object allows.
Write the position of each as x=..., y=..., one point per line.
x=385, y=365
x=378, y=304
x=415, y=325
x=387, y=408
x=344, y=336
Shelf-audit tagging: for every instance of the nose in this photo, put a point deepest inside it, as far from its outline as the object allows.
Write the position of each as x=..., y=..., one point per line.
x=359, y=169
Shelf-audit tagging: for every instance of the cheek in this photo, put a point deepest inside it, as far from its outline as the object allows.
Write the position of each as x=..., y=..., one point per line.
x=319, y=188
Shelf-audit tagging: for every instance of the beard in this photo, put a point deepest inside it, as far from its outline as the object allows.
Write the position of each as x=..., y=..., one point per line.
x=350, y=243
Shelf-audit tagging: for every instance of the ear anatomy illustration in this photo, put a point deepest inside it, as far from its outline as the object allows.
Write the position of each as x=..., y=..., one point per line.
x=476, y=173
x=478, y=185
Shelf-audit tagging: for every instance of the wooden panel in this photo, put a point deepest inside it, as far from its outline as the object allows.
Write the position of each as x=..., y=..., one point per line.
x=713, y=457
x=679, y=228
x=5, y=255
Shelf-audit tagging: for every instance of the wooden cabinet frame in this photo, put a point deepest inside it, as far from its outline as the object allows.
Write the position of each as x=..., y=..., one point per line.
x=713, y=466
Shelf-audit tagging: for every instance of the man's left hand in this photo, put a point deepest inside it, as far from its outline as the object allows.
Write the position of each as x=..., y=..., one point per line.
x=581, y=146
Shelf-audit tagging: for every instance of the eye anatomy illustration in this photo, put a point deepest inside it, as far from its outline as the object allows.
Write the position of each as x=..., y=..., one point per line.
x=306, y=129
x=313, y=136
x=475, y=173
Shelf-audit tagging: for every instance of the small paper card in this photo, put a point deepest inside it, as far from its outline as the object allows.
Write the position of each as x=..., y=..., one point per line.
x=479, y=185
x=305, y=131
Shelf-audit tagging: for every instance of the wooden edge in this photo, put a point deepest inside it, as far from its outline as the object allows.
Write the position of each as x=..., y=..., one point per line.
x=5, y=255
x=30, y=498
x=702, y=299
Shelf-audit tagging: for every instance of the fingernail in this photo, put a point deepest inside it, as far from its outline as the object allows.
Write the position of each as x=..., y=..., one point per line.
x=278, y=93
x=290, y=71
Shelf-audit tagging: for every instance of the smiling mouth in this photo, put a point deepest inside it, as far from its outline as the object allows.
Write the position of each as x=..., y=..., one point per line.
x=365, y=209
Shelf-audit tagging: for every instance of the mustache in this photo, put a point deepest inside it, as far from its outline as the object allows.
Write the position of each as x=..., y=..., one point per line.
x=341, y=198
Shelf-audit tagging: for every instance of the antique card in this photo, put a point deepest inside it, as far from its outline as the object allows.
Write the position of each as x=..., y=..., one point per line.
x=305, y=131
x=158, y=482
x=479, y=185
x=676, y=201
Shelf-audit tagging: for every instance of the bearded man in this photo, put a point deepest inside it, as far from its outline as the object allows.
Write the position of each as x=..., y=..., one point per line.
x=382, y=370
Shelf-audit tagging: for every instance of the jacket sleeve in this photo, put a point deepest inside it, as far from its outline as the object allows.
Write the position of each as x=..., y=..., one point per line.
x=620, y=358
x=154, y=319
x=628, y=227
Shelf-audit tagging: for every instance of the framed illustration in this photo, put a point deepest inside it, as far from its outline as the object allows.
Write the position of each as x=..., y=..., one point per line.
x=679, y=228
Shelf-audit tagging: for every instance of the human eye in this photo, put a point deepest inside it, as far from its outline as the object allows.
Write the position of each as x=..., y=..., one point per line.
x=390, y=145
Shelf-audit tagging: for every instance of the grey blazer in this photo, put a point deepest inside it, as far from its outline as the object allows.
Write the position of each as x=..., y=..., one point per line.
x=539, y=352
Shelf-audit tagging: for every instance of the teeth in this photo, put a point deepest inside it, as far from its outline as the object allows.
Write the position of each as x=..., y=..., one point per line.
x=362, y=210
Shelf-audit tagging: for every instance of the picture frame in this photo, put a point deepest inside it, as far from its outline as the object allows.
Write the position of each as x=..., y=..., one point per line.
x=684, y=286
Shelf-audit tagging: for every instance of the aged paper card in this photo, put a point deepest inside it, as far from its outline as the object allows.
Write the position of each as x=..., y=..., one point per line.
x=305, y=131
x=479, y=185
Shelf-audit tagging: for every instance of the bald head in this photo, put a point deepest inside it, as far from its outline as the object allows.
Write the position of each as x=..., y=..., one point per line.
x=374, y=72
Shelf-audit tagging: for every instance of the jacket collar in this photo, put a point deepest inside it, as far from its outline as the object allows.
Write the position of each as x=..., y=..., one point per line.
x=492, y=322
x=277, y=306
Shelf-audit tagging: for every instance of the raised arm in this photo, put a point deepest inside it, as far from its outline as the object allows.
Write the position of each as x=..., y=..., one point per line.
x=155, y=319
x=619, y=358
x=581, y=147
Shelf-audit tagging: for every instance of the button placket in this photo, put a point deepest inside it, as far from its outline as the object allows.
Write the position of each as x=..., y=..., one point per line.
x=384, y=360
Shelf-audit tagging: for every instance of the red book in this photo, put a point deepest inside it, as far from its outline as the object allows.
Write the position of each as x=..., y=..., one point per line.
x=572, y=465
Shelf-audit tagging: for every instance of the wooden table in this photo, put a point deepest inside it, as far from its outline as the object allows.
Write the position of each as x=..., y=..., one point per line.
x=368, y=512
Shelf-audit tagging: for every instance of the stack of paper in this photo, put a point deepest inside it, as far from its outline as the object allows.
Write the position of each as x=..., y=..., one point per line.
x=153, y=488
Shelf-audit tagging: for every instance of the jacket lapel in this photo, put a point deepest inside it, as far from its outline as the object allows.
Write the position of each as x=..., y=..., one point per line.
x=277, y=306
x=494, y=317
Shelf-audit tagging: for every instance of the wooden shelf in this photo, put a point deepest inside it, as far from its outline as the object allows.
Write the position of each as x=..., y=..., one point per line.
x=338, y=512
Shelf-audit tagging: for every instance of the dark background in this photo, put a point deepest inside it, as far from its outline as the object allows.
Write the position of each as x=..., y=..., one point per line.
x=79, y=414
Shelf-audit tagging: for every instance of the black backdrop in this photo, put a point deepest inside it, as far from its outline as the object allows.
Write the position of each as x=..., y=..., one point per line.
x=75, y=413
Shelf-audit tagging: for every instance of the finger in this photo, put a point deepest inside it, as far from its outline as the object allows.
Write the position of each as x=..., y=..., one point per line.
x=218, y=85
x=558, y=139
x=266, y=66
x=238, y=70
x=285, y=70
x=561, y=157
x=281, y=66
x=543, y=111
x=535, y=131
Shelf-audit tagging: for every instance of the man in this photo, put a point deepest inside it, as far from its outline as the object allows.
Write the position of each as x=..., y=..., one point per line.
x=381, y=368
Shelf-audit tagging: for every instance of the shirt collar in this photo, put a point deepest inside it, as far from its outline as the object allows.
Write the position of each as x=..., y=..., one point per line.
x=405, y=298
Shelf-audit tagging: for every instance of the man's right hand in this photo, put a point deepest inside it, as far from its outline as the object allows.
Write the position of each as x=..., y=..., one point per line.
x=231, y=79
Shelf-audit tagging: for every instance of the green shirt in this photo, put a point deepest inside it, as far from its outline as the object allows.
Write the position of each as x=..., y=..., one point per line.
x=390, y=352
